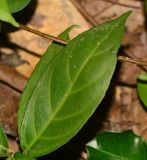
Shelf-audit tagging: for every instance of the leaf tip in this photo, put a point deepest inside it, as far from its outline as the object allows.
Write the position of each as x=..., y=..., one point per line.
x=126, y=15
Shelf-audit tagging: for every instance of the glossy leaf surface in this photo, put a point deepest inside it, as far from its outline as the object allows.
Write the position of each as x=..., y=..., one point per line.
x=17, y=5
x=69, y=89
x=39, y=71
x=3, y=144
x=40, y=68
x=142, y=88
x=5, y=14
x=117, y=146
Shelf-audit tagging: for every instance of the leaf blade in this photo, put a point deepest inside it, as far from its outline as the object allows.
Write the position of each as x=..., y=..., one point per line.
x=142, y=88
x=17, y=5
x=5, y=14
x=73, y=68
x=3, y=138
x=20, y=156
x=145, y=6
x=51, y=52
x=4, y=151
x=117, y=146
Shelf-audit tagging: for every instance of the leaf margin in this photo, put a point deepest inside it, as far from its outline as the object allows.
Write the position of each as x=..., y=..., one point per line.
x=125, y=17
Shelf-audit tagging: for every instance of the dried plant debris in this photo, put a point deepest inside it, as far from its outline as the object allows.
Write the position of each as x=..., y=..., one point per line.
x=8, y=109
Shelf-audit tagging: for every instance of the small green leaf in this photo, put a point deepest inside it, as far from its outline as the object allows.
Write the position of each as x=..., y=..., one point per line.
x=117, y=146
x=142, y=88
x=17, y=5
x=20, y=156
x=4, y=151
x=5, y=14
x=3, y=138
x=69, y=88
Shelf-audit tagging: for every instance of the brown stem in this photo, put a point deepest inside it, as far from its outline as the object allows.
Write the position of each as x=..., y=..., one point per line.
x=127, y=59
x=84, y=13
x=55, y=39
x=121, y=4
x=58, y=40
x=103, y=10
x=130, y=55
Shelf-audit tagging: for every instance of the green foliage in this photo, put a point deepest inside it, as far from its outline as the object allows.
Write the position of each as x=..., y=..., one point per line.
x=142, y=88
x=3, y=138
x=38, y=73
x=20, y=156
x=66, y=87
x=10, y=6
x=145, y=5
x=5, y=14
x=4, y=152
x=40, y=68
x=17, y=5
x=117, y=146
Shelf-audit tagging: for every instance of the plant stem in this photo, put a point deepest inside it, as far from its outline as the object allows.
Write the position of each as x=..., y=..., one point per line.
x=44, y=35
x=121, y=4
x=127, y=59
x=58, y=40
x=84, y=13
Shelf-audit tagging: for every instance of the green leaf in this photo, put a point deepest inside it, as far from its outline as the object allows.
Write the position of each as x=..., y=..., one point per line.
x=40, y=68
x=17, y=5
x=4, y=151
x=37, y=74
x=142, y=88
x=5, y=14
x=20, y=156
x=117, y=146
x=3, y=138
x=69, y=89
x=145, y=6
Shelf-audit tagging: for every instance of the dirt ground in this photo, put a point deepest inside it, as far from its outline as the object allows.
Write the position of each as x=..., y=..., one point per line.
x=20, y=51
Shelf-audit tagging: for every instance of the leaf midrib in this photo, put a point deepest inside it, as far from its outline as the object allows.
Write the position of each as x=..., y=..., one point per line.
x=68, y=92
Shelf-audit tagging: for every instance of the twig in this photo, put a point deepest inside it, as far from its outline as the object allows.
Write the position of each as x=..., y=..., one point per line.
x=127, y=59
x=130, y=56
x=121, y=4
x=84, y=13
x=103, y=10
x=58, y=40
x=89, y=18
x=15, y=80
x=121, y=58
x=93, y=22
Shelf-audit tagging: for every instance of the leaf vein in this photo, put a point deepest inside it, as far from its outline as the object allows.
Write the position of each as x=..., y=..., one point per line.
x=66, y=95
